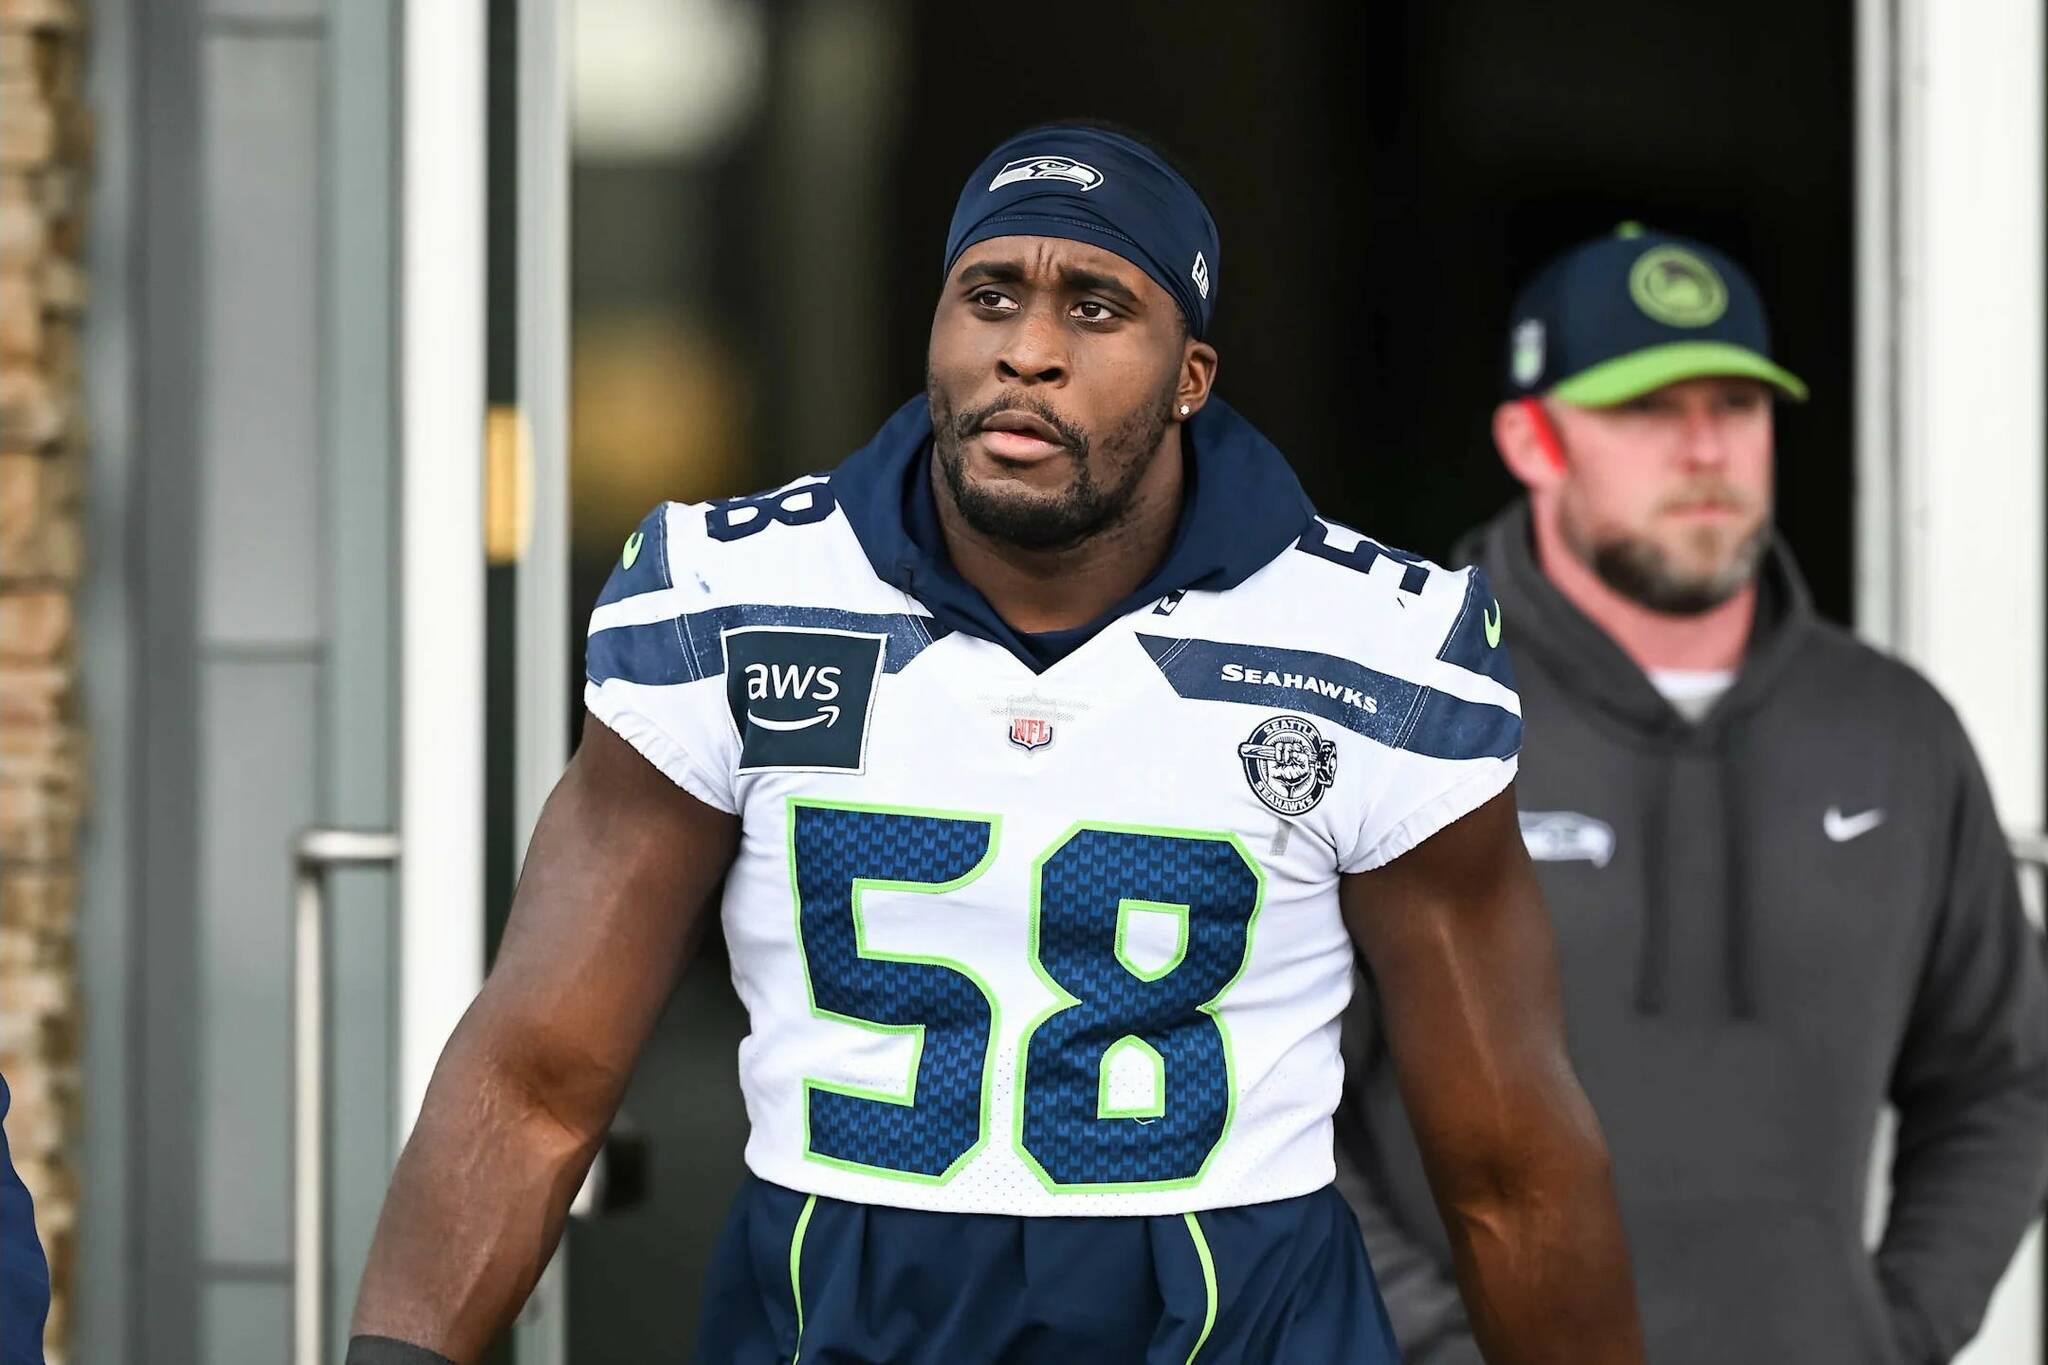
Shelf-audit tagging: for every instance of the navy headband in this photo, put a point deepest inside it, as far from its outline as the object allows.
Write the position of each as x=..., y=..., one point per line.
x=1094, y=186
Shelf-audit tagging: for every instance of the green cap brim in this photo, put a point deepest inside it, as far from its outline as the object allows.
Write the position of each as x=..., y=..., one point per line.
x=1633, y=375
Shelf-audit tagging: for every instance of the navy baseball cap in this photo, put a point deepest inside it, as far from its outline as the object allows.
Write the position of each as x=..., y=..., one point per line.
x=1614, y=318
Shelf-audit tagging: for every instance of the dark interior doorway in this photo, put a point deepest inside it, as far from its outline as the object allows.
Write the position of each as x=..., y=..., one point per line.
x=1383, y=175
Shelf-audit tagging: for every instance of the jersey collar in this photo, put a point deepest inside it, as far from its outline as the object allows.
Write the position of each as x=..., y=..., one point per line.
x=1242, y=507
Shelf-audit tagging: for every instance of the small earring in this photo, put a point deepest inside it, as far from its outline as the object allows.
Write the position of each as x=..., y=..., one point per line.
x=1183, y=409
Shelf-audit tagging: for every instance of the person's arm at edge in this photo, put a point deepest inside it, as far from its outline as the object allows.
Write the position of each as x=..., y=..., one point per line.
x=1415, y=1282
x=609, y=909
x=1460, y=944
x=24, y=1270
x=1971, y=1088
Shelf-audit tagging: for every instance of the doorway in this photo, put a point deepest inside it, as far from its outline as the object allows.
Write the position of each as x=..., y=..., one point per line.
x=754, y=268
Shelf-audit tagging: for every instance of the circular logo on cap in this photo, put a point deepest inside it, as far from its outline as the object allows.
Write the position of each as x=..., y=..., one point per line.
x=1677, y=288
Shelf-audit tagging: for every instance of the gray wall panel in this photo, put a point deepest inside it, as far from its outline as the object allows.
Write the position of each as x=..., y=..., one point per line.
x=163, y=1201
x=244, y=1323
x=293, y=12
x=105, y=1288
x=233, y=271
x=260, y=535
x=258, y=728
x=360, y=471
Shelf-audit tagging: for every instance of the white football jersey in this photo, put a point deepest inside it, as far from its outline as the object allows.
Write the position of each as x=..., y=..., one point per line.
x=1061, y=942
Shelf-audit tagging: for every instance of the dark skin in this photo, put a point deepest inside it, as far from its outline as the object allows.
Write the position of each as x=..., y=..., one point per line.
x=623, y=866
x=1043, y=323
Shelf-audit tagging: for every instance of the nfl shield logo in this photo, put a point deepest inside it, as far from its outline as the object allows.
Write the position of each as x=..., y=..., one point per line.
x=1028, y=732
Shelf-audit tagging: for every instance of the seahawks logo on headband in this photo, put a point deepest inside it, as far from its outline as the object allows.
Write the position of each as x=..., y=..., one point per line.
x=1047, y=168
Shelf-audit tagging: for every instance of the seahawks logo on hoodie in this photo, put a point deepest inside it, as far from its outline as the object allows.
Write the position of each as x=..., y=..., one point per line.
x=1563, y=836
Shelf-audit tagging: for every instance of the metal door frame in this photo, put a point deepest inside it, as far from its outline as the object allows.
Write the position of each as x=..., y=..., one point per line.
x=541, y=586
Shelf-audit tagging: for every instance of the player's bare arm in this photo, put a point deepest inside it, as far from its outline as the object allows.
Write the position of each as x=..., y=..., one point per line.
x=609, y=909
x=1460, y=946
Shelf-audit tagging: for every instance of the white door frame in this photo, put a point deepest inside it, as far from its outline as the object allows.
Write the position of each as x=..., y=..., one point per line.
x=542, y=687
x=541, y=584
x=443, y=232
x=1951, y=258
x=443, y=305
x=441, y=632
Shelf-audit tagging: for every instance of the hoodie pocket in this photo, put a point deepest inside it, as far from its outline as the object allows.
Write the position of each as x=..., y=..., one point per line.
x=1756, y=1280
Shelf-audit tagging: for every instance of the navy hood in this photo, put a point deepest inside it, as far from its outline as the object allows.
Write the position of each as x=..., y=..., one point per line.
x=1242, y=506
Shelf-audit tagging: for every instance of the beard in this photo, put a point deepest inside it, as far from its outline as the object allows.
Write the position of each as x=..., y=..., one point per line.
x=1649, y=573
x=1086, y=507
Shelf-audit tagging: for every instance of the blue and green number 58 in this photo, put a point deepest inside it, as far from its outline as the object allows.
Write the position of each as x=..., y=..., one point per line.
x=1086, y=889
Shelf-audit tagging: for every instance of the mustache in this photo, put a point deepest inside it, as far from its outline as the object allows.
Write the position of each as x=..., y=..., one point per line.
x=1072, y=437
x=1721, y=496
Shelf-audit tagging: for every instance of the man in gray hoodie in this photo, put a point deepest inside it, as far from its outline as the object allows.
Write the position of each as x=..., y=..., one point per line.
x=1781, y=894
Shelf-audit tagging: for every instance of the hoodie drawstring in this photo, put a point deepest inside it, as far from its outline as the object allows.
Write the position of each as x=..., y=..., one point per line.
x=1738, y=945
x=1653, y=962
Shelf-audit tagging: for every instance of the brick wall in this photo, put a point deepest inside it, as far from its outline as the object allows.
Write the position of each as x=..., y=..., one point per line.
x=44, y=149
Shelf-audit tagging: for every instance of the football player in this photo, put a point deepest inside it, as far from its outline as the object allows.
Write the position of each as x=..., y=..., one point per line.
x=1055, y=758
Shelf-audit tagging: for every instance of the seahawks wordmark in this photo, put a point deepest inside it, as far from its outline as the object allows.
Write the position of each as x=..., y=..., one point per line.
x=1301, y=682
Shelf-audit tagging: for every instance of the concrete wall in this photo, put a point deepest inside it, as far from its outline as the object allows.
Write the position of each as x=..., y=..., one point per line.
x=44, y=154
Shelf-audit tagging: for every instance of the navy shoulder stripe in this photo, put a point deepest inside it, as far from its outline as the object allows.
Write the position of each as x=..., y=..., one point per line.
x=643, y=562
x=1475, y=640
x=691, y=646
x=1383, y=708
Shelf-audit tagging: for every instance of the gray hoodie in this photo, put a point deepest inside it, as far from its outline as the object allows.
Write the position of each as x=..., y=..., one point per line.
x=1769, y=924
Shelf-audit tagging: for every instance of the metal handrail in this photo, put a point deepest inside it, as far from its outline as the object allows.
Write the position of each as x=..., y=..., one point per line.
x=313, y=853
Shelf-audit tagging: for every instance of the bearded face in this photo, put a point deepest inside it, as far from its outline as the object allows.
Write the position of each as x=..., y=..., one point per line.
x=1668, y=498
x=1692, y=552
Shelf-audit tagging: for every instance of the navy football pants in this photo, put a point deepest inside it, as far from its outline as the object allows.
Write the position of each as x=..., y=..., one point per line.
x=802, y=1278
